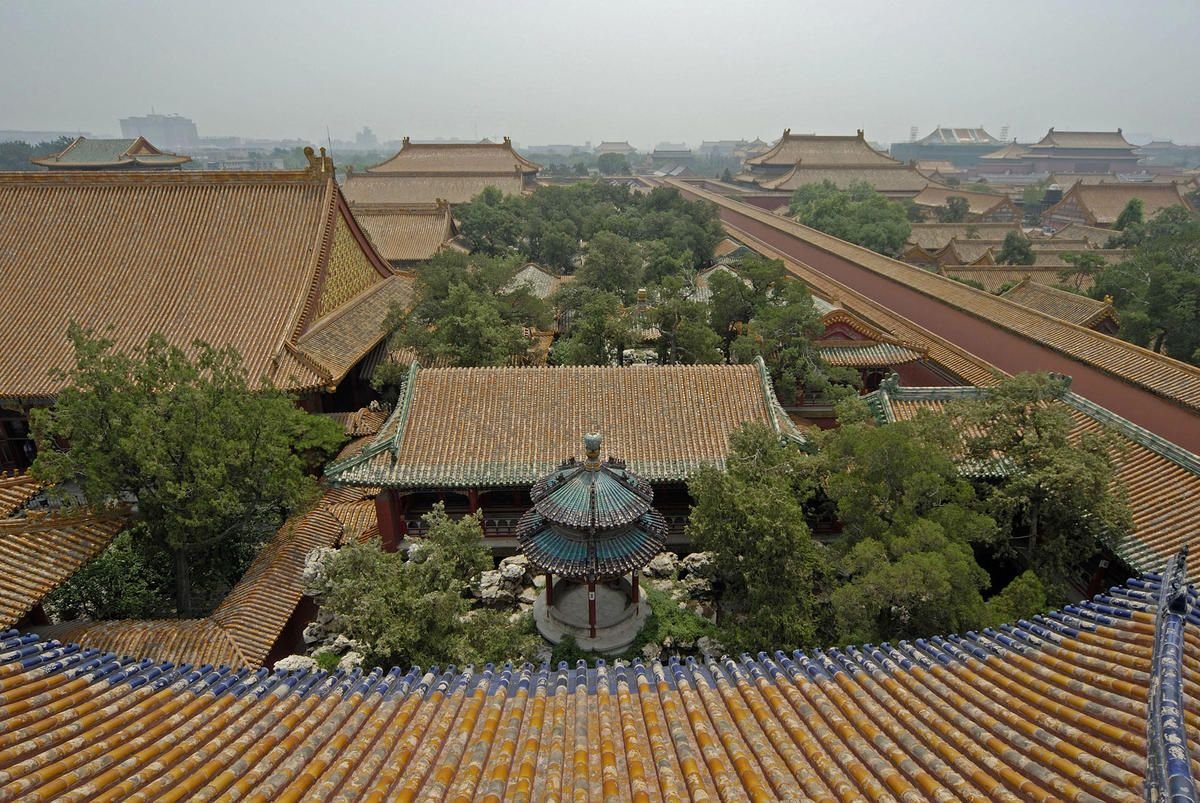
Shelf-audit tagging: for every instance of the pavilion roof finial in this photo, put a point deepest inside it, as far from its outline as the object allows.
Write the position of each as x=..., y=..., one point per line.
x=591, y=448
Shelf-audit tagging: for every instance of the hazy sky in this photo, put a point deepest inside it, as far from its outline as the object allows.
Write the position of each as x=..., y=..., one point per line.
x=566, y=72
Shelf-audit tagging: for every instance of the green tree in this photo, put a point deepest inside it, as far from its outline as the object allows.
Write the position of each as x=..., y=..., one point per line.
x=415, y=610
x=1055, y=498
x=909, y=529
x=491, y=222
x=685, y=336
x=782, y=332
x=1015, y=250
x=1083, y=266
x=1157, y=287
x=467, y=313
x=1134, y=213
x=769, y=570
x=214, y=466
x=858, y=215
x=118, y=584
x=955, y=211
x=613, y=164
x=599, y=333
x=1022, y=598
x=612, y=263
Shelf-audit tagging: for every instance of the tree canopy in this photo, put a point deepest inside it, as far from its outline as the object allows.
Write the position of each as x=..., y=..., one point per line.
x=1015, y=250
x=768, y=566
x=1156, y=288
x=468, y=312
x=213, y=465
x=858, y=215
x=955, y=210
x=413, y=609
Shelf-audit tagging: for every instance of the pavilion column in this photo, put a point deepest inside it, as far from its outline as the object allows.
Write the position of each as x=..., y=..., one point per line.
x=389, y=511
x=591, y=607
x=472, y=501
x=636, y=591
x=549, y=588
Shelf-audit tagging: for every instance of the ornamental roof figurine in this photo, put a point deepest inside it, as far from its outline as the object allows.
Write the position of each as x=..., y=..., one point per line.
x=591, y=519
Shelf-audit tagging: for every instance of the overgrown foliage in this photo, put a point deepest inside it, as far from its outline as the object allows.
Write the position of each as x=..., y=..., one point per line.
x=1156, y=288
x=468, y=312
x=769, y=569
x=1015, y=250
x=1054, y=497
x=414, y=609
x=212, y=466
x=118, y=584
x=858, y=215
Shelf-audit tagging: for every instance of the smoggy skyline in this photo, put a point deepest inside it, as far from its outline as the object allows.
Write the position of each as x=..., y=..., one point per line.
x=646, y=72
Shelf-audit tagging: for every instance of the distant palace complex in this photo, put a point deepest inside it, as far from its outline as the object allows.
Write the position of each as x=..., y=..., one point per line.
x=1096, y=701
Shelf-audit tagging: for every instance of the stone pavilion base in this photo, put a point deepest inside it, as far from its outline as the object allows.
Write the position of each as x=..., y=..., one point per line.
x=618, y=619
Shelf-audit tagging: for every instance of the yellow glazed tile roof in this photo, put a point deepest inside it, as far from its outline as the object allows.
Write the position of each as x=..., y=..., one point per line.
x=1052, y=707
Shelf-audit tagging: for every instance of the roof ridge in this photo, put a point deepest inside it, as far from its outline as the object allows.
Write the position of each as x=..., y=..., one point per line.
x=318, y=265
x=120, y=177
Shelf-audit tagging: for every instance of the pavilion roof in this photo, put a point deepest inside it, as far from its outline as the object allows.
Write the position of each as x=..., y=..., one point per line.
x=884, y=178
x=1102, y=204
x=1072, y=307
x=541, y=282
x=415, y=188
x=1162, y=480
x=406, y=232
x=826, y=151
x=1081, y=139
x=1055, y=706
x=251, y=260
x=85, y=153
x=1094, y=235
x=476, y=427
x=440, y=158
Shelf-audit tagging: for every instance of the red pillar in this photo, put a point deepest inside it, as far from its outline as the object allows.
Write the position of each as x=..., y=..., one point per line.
x=389, y=511
x=472, y=500
x=549, y=588
x=592, y=607
x=635, y=587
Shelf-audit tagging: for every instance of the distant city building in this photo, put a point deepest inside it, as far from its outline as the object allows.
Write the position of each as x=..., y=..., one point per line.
x=960, y=146
x=366, y=140
x=111, y=154
x=168, y=130
x=669, y=156
x=424, y=173
x=1083, y=152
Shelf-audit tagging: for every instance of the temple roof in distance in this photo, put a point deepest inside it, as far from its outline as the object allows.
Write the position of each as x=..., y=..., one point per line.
x=1102, y=204
x=1056, y=706
x=438, y=158
x=827, y=151
x=958, y=136
x=1103, y=140
x=255, y=260
x=99, y=154
x=480, y=427
x=406, y=232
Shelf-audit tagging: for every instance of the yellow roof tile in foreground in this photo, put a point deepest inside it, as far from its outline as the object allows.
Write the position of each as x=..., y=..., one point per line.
x=457, y=427
x=37, y=553
x=1053, y=707
x=244, y=259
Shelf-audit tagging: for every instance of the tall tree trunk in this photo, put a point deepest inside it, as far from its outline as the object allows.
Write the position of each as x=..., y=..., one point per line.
x=183, y=584
x=1158, y=342
x=1033, y=528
